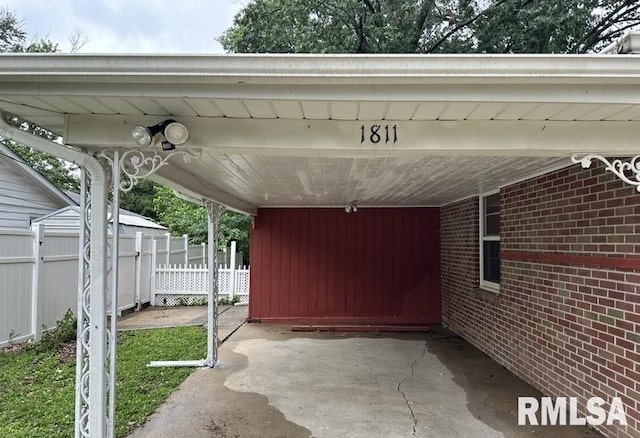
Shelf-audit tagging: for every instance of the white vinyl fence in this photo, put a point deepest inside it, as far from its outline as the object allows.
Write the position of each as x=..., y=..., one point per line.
x=39, y=273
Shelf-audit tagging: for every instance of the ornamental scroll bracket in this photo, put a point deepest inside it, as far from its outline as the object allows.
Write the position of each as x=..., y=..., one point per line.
x=627, y=171
x=135, y=165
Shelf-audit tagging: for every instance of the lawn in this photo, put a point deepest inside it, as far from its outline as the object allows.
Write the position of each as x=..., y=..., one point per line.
x=37, y=382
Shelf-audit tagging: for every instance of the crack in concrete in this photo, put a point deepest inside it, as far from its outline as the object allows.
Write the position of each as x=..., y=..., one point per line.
x=404, y=395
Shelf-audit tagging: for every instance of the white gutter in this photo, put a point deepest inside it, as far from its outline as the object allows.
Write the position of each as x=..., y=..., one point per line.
x=239, y=69
x=97, y=407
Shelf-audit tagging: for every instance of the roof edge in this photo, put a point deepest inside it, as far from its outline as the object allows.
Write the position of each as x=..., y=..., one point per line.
x=243, y=69
x=19, y=164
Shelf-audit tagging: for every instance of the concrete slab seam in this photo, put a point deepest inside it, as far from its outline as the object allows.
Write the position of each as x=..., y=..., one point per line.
x=232, y=332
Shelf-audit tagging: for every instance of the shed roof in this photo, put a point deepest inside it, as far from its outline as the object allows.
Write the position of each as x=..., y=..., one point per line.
x=71, y=217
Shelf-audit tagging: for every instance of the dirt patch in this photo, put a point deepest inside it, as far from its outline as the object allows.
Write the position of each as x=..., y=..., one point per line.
x=15, y=348
x=67, y=352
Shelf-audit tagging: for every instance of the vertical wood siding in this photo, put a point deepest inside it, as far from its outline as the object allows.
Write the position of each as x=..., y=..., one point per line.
x=324, y=265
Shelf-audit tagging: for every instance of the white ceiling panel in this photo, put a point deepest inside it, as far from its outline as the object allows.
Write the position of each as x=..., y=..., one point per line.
x=457, y=110
x=65, y=105
x=315, y=110
x=607, y=112
x=487, y=111
x=515, y=111
x=118, y=105
x=175, y=107
x=92, y=105
x=429, y=110
x=204, y=107
x=34, y=102
x=575, y=111
x=619, y=112
x=379, y=181
x=372, y=111
x=148, y=106
x=233, y=108
x=287, y=109
x=260, y=109
x=344, y=110
x=545, y=111
x=401, y=110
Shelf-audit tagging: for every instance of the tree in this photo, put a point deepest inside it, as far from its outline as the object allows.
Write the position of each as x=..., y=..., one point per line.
x=59, y=172
x=183, y=217
x=429, y=26
x=234, y=226
x=140, y=199
x=180, y=216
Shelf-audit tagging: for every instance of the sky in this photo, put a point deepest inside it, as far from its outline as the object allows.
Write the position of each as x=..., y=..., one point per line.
x=129, y=26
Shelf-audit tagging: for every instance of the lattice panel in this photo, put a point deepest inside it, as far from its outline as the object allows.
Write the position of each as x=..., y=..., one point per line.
x=224, y=281
x=186, y=285
x=168, y=300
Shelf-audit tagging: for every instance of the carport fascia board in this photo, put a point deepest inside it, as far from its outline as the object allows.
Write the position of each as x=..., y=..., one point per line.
x=343, y=138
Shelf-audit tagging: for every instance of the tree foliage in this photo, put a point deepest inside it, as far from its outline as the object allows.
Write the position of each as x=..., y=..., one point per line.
x=179, y=216
x=59, y=172
x=183, y=217
x=234, y=226
x=429, y=26
x=140, y=199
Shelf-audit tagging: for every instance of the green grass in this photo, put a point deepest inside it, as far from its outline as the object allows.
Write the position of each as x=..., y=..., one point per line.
x=37, y=388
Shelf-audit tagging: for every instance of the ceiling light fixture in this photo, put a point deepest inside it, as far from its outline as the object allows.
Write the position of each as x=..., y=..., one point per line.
x=352, y=207
x=174, y=133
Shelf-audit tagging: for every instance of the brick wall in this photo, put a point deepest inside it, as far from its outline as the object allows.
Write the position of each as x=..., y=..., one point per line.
x=567, y=318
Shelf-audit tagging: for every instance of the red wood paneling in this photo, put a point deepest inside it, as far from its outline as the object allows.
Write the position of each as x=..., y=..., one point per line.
x=379, y=265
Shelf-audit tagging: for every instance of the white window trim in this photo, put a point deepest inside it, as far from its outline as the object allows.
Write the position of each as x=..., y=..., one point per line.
x=485, y=284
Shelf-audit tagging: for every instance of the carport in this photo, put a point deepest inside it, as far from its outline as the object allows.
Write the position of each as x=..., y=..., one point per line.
x=295, y=142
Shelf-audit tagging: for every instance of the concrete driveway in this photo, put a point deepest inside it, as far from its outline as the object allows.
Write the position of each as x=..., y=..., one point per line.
x=275, y=383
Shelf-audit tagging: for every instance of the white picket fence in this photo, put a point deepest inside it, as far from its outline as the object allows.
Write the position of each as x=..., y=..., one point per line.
x=177, y=285
x=39, y=272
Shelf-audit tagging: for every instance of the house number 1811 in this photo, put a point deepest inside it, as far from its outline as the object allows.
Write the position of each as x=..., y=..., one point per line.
x=378, y=133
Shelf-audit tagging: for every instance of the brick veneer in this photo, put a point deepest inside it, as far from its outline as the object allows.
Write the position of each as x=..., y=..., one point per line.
x=567, y=318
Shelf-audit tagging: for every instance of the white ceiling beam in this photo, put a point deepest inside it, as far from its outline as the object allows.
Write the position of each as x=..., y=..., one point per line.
x=344, y=138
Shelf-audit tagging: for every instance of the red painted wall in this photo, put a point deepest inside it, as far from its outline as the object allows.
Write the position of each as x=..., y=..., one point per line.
x=324, y=265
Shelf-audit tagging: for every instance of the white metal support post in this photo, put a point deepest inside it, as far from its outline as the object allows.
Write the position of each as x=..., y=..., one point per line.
x=97, y=336
x=93, y=416
x=114, y=161
x=96, y=344
x=214, y=212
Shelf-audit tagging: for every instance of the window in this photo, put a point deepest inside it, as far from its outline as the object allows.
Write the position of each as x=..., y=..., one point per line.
x=490, y=241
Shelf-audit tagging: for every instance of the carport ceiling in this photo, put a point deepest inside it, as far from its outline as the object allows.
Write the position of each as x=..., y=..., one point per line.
x=286, y=130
